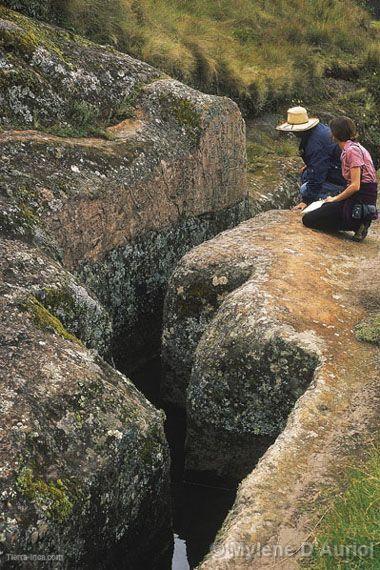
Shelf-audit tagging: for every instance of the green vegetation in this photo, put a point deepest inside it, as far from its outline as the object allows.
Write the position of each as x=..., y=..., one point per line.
x=44, y=320
x=51, y=497
x=353, y=520
x=35, y=8
x=185, y=113
x=84, y=120
x=26, y=35
x=126, y=109
x=369, y=329
x=259, y=52
x=265, y=146
x=21, y=217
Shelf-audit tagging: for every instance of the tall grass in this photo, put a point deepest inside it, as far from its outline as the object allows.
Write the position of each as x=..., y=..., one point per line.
x=260, y=52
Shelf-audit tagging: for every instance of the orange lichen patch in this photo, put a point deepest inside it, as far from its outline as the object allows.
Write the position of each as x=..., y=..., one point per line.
x=38, y=136
x=125, y=128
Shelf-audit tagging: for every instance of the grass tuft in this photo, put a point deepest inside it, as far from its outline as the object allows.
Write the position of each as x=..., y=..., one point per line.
x=348, y=536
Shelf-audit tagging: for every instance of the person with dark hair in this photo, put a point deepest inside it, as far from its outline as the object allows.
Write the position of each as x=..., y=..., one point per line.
x=322, y=174
x=354, y=208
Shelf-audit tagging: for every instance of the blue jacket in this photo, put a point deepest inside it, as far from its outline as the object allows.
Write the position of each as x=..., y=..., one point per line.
x=322, y=158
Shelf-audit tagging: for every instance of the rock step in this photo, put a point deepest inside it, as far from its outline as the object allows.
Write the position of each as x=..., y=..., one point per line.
x=258, y=322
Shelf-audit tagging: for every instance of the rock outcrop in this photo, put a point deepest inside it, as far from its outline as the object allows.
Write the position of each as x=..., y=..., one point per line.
x=84, y=462
x=251, y=318
x=334, y=424
x=123, y=204
x=110, y=173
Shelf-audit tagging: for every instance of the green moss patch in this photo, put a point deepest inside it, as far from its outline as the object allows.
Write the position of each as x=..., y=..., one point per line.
x=184, y=113
x=52, y=498
x=369, y=329
x=61, y=299
x=25, y=35
x=44, y=320
x=17, y=221
x=21, y=216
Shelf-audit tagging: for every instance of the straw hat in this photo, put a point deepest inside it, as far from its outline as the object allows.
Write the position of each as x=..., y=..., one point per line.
x=298, y=120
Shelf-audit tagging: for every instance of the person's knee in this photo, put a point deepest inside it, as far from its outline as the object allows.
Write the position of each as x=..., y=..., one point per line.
x=308, y=220
x=311, y=220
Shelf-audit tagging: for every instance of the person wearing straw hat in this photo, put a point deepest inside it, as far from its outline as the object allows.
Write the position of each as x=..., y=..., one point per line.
x=322, y=174
x=354, y=209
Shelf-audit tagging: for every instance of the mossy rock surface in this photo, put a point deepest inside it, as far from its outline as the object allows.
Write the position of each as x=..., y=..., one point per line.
x=85, y=463
x=44, y=320
x=52, y=79
x=53, y=498
x=53, y=299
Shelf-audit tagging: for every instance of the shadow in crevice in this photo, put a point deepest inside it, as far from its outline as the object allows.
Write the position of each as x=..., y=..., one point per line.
x=200, y=501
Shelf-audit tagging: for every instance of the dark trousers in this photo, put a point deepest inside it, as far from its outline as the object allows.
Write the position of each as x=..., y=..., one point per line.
x=328, y=218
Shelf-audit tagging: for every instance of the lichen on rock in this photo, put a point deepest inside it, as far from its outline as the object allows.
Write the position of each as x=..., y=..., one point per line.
x=119, y=210
x=320, y=286
x=241, y=340
x=52, y=498
x=94, y=216
x=53, y=298
x=85, y=463
x=44, y=320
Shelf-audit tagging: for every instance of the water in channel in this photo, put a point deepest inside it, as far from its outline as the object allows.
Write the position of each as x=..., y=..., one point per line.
x=200, y=505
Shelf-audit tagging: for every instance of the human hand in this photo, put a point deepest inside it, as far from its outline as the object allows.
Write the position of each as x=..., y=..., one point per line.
x=301, y=206
x=329, y=199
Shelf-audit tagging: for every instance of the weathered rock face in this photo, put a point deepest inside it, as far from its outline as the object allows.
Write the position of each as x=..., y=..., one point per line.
x=110, y=173
x=275, y=187
x=336, y=421
x=121, y=210
x=58, y=292
x=50, y=77
x=241, y=342
x=84, y=461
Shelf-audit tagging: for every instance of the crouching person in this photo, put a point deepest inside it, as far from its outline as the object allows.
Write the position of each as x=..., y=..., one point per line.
x=322, y=174
x=354, y=208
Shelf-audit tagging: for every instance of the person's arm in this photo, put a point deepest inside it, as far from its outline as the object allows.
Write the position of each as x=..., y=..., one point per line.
x=351, y=189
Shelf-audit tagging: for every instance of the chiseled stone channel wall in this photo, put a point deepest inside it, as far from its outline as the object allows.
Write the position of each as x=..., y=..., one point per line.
x=264, y=336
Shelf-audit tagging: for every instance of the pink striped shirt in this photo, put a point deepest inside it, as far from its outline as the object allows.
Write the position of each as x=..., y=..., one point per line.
x=355, y=155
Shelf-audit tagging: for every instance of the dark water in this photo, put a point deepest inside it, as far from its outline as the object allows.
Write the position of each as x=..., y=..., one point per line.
x=200, y=505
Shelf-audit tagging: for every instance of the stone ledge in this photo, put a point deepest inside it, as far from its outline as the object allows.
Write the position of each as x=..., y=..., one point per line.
x=270, y=279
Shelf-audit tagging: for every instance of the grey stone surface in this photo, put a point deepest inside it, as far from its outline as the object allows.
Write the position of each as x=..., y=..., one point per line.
x=84, y=461
x=167, y=172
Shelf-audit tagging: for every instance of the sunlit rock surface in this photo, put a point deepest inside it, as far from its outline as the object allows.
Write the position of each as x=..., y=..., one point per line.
x=329, y=289
x=251, y=318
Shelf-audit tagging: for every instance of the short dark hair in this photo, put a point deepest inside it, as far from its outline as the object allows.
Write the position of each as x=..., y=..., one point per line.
x=343, y=129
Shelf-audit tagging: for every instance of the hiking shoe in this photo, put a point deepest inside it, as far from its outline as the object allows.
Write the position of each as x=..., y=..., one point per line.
x=362, y=232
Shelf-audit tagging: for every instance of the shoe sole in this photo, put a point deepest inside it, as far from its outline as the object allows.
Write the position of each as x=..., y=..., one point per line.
x=361, y=234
